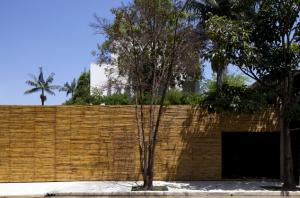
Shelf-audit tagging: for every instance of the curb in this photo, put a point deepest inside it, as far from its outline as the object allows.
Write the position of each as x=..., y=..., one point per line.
x=183, y=194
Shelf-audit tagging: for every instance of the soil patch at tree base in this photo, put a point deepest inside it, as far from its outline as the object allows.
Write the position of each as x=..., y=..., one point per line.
x=154, y=188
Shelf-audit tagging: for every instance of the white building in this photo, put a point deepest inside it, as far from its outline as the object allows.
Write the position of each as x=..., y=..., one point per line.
x=105, y=78
x=98, y=77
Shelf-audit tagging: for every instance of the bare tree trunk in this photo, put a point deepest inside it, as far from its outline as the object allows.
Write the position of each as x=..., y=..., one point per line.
x=288, y=175
x=43, y=97
x=160, y=76
x=220, y=74
x=166, y=84
x=288, y=169
x=146, y=175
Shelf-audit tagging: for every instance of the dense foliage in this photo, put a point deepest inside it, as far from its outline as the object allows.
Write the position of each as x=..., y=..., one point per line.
x=234, y=96
x=235, y=80
x=268, y=51
x=81, y=94
x=221, y=22
x=237, y=99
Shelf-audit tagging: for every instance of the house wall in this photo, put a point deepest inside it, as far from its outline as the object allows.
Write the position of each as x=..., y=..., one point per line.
x=100, y=76
x=72, y=143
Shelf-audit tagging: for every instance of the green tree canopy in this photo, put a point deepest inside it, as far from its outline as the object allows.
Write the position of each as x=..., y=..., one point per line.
x=157, y=48
x=270, y=55
x=213, y=17
x=81, y=94
x=233, y=80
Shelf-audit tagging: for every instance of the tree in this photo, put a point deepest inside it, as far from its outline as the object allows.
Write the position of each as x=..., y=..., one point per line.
x=271, y=57
x=233, y=80
x=40, y=84
x=69, y=88
x=84, y=95
x=81, y=94
x=157, y=47
x=211, y=13
x=235, y=99
x=265, y=46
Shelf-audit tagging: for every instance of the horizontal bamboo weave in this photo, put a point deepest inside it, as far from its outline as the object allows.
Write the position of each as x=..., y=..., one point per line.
x=75, y=143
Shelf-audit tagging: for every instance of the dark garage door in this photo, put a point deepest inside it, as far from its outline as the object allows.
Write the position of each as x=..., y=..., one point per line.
x=250, y=155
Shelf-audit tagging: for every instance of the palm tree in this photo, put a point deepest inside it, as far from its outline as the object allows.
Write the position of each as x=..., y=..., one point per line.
x=40, y=84
x=232, y=9
x=69, y=88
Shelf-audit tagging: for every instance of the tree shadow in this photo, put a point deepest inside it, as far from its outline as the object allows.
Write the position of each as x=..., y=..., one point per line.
x=267, y=121
x=222, y=185
x=197, y=154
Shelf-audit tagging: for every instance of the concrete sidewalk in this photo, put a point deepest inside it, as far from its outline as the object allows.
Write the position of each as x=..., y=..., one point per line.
x=116, y=188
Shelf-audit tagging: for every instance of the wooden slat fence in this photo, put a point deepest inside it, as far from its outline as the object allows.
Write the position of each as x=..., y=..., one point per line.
x=76, y=143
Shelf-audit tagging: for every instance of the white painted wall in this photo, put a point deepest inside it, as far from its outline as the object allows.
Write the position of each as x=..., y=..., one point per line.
x=99, y=78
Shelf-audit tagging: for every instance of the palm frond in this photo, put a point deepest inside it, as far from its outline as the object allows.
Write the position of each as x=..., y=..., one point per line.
x=33, y=90
x=41, y=76
x=69, y=88
x=50, y=78
x=73, y=84
x=67, y=85
x=32, y=83
x=53, y=87
x=62, y=89
x=34, y=78
x=49, y=91
x=69, y=92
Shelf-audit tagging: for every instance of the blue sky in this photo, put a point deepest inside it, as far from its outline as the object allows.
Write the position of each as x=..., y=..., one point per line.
x=54, y=34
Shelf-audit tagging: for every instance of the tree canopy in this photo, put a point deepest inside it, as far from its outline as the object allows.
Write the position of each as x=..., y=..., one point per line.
x=40, y=84
x=268, y=52
x=156, y=48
